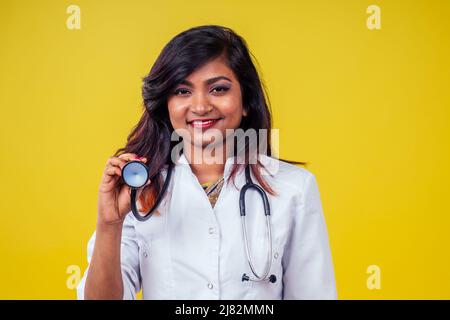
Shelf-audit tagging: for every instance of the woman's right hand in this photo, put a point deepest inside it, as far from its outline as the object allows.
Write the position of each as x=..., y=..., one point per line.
x=114, y=195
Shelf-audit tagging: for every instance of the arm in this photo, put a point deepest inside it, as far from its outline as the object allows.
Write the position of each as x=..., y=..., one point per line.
x=113, y=270
x=307, y=262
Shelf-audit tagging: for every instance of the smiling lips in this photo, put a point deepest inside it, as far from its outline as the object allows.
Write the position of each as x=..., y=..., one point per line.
x=203, y=123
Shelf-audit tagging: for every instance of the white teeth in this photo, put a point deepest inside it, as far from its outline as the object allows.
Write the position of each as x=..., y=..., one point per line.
x=202, y=122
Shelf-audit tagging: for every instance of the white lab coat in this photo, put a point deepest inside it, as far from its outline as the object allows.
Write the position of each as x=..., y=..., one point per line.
x=192, y=251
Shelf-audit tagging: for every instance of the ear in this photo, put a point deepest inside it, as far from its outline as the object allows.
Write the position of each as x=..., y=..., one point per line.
x=244, y=112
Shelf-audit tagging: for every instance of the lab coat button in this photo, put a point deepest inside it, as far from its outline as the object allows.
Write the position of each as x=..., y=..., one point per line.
x=275, y=255
x=211, y=230
x=210, y=285
x=145, y=254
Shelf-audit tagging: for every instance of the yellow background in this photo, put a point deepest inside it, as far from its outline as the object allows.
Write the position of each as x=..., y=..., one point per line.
x=369, y=109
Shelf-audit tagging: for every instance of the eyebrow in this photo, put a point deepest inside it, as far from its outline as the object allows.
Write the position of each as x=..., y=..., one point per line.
x=206, y=82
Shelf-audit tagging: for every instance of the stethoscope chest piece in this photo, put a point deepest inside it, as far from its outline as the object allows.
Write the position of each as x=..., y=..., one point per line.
x=135, y=174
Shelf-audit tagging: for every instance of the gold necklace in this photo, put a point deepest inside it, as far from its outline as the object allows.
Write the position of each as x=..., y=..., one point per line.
x=213, y=191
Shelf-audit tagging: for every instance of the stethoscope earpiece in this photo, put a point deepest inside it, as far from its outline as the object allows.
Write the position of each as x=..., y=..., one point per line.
x=272, y=278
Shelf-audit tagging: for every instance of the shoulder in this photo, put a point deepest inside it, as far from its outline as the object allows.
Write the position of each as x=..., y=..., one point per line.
x=286, y=175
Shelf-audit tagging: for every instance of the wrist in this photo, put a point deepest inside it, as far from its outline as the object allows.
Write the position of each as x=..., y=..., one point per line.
x=109, y=226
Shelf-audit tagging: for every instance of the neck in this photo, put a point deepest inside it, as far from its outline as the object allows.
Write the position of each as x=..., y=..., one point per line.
x=207, y=166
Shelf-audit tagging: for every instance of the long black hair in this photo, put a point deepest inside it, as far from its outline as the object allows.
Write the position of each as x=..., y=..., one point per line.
x=186, y=52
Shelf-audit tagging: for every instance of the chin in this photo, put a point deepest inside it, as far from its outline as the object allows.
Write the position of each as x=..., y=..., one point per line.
x=205, y=143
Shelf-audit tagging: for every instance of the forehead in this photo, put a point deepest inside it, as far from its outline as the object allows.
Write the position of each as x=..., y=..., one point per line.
x=212, y=68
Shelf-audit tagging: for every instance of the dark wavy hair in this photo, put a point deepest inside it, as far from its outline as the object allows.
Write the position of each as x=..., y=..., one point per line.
x=186, y=52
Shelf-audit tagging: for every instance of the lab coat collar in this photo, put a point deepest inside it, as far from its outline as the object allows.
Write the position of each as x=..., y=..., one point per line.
x=228, y=164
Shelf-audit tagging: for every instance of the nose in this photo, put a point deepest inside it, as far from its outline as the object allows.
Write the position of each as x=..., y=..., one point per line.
x=200, y=104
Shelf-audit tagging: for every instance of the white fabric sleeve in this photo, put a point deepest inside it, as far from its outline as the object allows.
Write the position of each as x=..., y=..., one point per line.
x=308, y=271
x=129, y=259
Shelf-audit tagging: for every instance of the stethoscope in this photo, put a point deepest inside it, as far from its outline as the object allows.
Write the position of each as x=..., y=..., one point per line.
x=136, y=174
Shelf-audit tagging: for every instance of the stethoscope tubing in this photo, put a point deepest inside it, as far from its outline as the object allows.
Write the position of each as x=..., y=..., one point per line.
x=242, y=208
x=133, y=195
x=250, y=185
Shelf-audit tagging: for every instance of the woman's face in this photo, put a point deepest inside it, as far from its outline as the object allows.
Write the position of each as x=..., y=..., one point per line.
x=209, y=98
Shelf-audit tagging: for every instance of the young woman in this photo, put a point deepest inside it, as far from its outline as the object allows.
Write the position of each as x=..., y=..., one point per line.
x=194, y=246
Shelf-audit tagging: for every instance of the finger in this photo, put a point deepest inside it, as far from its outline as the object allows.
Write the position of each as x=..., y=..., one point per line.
x=127, y=156
x=113, y=171
x=115, y=161
x=111, y=174
x=130, y=156
x=110, y=178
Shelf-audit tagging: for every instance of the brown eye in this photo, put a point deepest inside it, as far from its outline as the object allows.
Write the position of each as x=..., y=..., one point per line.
x=181, y=90
x=221, y=89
